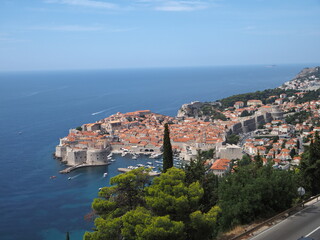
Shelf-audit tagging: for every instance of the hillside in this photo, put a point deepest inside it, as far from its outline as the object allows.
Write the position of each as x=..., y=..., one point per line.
x=307, y=79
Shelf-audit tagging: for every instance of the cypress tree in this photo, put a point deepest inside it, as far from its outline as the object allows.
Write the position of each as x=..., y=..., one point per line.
x=258, y=160
x=167, y=150
x=67, y=236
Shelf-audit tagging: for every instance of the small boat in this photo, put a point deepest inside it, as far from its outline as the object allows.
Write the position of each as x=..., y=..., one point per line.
x=150, y=163
x=19, y=133
x=100, y=189
x=123, y=154
x=105, y=174
x=134, y=157
x=53, y=177
x=69, y=178
x=112, y=160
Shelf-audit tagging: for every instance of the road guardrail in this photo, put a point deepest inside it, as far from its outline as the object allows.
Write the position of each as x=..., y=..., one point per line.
x=283, y=214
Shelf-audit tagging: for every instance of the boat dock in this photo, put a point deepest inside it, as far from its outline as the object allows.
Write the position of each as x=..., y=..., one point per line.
x=69, y=169
x=124, y=170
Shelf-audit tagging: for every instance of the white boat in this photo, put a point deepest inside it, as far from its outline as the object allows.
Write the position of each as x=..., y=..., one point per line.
x=110, y=155
x=140, y=165
x=155, y=155
x=69, y=178
x=112, y=160
x=123, y=154
x=105, y=174
x=100, y=188
x=134, y=157
x=150, y=163
x=158, y=162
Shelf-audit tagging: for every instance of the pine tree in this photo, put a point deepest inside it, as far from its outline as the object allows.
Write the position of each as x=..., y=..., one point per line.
x=167, y=150
x=67, y=236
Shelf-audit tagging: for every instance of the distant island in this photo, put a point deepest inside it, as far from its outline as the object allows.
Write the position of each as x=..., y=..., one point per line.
x=201, y=126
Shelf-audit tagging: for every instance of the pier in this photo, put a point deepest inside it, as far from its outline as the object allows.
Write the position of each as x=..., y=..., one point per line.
x=124, y=170
x=69, y=169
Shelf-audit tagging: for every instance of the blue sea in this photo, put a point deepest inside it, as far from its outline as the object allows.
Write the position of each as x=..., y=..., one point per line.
x=38, y=108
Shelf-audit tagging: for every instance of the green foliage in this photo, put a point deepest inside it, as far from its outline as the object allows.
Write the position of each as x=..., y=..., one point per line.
x=250, y=193
x=245, y=113
x=202, y=226
x=211, y=111
x=126, y=193
x=275, y=139
x=197, y=171
x=298, y=117
x=258, y=161
x=161, y=228
x=293, y=152
x=79, y=128
x=309, y=96
x=258, y=95
x=170, y=195
x=232, y=139
x=207, y=154
x=167, y=150
x=245, y=160
x=106, y=229
x=167, y=209
x=310, y=167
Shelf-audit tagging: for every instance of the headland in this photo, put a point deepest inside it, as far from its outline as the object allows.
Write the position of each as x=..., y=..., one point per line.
x=200, y=126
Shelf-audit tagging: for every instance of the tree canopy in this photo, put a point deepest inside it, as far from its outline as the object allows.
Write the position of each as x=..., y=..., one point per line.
x=250, y=193
x=310, y=167
x=167, y=209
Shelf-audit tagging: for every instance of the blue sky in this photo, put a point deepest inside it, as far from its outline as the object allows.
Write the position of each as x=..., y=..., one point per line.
x=99, y=34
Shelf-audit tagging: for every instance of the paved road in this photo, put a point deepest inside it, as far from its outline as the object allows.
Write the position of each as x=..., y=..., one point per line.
x=304, y=223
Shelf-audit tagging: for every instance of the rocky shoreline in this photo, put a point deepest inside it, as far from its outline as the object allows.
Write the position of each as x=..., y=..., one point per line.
x=198, y=126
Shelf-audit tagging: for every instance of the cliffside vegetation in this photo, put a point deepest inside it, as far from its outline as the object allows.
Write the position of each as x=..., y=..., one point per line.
x=245, y=113
x=232, y=139
x=258, y=95
x=167, y=209
x=298, y=117
x=255, y=192
x=309, y=96
x=193, y=203
x=212, y=112
x=310, y=167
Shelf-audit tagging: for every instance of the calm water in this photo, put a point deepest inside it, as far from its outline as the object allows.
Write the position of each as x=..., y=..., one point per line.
x=44, y=105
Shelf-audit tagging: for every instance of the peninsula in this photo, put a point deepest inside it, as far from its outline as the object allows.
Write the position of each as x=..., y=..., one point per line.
x=256, y=119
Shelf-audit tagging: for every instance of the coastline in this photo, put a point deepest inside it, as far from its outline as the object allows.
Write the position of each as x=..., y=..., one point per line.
x=55, y=109
x=140, y=132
